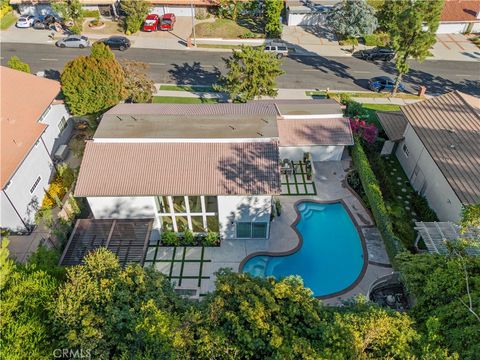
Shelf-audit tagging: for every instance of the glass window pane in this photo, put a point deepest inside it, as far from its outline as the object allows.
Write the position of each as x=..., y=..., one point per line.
x=212, y=223
x=182, y=223
x=167, y=223
x=195, y=204
x=211, y=204
x=244, y=230
x=259, y=230
x=162, y=204
x=197, y=224
x=179, y=204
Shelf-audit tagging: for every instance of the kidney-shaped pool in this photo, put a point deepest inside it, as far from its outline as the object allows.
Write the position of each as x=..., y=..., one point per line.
x=331, y=257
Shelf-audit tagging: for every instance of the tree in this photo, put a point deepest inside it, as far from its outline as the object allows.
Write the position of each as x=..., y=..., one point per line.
x=70, y=10
x=17, y=64
x=352, y=18
x=443, y=295
x=135, y=11
x=7, y=266
x=412, y=26
x=271, y=11
x=470, y=221
x=101, y=51
x=92, y=84
x=229, y=9
x=140, y=88
x=251, y=73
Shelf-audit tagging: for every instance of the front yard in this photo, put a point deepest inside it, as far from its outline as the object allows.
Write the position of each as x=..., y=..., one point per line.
x=226, y=29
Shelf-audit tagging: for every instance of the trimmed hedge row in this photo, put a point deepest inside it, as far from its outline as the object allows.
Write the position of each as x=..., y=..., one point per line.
x=375, y=199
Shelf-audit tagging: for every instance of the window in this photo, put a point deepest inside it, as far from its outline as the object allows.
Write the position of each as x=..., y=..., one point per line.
x=179, y=204
x=197, y=224
x=195, y=204
x=211, y=204
x=32, y=189
x=167, y=223
x=182, y=223
x=62, y=124
x=405, y=150
x=251, y=230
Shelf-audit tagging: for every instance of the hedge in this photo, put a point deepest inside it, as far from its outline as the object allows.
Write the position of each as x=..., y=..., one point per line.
x=375, y=199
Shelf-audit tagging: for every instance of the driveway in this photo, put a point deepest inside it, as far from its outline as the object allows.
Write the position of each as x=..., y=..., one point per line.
x=455, y=47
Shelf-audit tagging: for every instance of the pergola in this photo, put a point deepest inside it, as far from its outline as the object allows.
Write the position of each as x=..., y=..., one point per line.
x=437, y=234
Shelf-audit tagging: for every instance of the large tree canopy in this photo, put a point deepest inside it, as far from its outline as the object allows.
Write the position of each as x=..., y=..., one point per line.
x=93, y=83
x=251, y=73
x=352, y=18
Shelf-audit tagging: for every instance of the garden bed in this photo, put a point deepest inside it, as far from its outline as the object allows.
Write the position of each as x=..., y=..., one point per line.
x=188, y=238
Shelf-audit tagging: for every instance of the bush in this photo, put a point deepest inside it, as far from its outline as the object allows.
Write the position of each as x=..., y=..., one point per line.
x=375, y=199
x=17, y=64
x=355, y=109
x=211, y=239
x=377, y=39
x=188, y=238
x=423, y=210
x=55, y=193
x=76, y=29
x=5, y=8
x=169, y=238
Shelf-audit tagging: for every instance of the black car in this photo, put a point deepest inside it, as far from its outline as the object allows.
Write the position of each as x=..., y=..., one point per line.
x=377, y=53
x=117, y=42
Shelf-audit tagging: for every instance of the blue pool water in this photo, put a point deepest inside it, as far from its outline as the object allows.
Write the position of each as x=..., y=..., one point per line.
x=331, y=257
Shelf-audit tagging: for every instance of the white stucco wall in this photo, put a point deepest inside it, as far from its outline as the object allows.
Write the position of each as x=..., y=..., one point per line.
x=305, y=19
x=122, y=207
x=52, y=136
x=452, y=28
x=242, y=208
x=319, y=153
x=426, y=177
x=177, y=10
x=37, y=163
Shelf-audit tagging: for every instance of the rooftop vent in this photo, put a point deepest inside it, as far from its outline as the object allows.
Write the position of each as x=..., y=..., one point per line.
x=452, y=146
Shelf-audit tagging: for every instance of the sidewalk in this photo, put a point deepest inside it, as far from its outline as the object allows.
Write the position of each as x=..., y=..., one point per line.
x=283, y=94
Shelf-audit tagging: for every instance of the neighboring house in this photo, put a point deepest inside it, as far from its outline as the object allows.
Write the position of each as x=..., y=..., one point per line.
x=460, y=16
x=178, y=7
x=308, y=12
x=438, y=146
x=207, y=166
x=33, y=126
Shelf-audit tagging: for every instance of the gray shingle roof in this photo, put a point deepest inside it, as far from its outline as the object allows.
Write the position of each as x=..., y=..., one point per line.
x=449, y=127
x=394, y=124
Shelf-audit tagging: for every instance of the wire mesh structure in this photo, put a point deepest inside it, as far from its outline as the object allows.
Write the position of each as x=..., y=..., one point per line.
x=128, y=239
x=436, y=235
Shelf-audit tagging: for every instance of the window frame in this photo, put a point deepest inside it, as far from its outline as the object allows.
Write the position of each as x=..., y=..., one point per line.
x=35, y=184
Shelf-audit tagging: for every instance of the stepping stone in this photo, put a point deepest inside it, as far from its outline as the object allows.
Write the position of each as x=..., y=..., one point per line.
x=407, y=207
x=399, y=197
x=392, y=173
x=399, y=178
x=394, y=169
x=399, y=183
x=407, y=202
x=409, y=196
x=404, y=190
x=414, y=213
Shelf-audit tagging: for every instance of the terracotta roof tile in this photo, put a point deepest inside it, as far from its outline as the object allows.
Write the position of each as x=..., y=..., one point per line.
x=298, y=132
x=460, y=10
x=449, y=128
x=146, y=169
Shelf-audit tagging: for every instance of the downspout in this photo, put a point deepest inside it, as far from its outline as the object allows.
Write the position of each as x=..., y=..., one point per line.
x=49, y=156
x=15, y=209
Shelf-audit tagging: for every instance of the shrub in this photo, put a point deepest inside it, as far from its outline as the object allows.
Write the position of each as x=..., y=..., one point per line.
x=375, y=199
x=211, y=239
x=188, y=238
x=377, y=39
x=5, y=8
x=76, y=29
x=169, y=238
x=355, y=109
x=55, y=193
x=278, y=206
x=423, y=210
x=17, y=64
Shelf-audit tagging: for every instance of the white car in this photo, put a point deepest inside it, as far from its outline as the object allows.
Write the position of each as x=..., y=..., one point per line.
x=25, y=21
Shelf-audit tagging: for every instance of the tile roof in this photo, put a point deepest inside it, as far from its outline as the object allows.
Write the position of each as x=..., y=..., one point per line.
x=24, y=98
x=146, y=169
x=449, y=128
x=298, y=132
x=460, y=10
x=394, y=124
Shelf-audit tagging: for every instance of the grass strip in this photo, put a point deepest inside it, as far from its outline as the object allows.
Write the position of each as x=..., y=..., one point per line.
x=364, y=95
x=189, y=88
x=182, y=100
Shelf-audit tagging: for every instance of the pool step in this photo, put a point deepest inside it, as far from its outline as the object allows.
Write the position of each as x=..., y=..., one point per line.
x=307, y=214
x=301, y=207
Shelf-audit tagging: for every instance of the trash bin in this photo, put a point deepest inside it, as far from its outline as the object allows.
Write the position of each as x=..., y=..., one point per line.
x=422, y=90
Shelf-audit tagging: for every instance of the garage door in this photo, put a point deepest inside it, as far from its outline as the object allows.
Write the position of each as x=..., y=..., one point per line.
x=305, y=19
x=177, y=10
x=455, y=28
x=39, y=9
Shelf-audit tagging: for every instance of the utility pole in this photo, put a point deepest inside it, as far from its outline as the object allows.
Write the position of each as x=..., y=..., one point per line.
x=193, y=23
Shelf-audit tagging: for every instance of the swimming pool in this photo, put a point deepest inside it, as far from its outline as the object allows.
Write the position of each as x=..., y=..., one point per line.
x=331, y=257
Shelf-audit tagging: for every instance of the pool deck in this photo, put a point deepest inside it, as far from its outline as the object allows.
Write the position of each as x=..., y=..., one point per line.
x=329, y=182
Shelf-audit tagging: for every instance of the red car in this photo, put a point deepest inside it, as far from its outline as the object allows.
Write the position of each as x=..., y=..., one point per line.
x=167, y=21
x=151, y=22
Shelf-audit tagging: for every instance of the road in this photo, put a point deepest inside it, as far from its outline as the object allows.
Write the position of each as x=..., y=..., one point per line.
x=302, y=72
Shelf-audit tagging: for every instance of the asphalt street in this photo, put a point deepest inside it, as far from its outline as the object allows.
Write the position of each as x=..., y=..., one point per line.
x=302, y=72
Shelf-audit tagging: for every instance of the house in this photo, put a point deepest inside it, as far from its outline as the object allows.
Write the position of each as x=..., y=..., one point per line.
x=308, y=12
x=204, y=166
x=33, y=125
x=460, y=16
x=437, y=142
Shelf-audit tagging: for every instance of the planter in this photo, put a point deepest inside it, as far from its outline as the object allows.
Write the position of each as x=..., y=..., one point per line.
x=96, y=25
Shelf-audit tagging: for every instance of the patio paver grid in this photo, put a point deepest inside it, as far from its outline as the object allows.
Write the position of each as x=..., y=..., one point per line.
x=297, y=184
x=178, y=263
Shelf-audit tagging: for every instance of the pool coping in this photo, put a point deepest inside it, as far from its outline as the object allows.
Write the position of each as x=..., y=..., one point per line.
x=300, y=243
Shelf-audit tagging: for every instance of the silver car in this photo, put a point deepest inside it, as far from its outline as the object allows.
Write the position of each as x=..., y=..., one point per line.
x=279, y=49
x=74, y=41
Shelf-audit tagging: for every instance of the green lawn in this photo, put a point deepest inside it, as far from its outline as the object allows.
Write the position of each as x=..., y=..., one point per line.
x=7, y=20
x=218, y=46
x=189, y=88
x=224, y=28
x=182, y=100
x=372, y=109
x=363, y=94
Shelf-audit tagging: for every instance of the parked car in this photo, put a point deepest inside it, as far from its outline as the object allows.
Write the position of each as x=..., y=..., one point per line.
x=383, y=83
x=116, y=42
x=25, y=21
x=73, y=41
x=377, y=53
x=279, y=49
x=167, y=21
x=46, y=22
x=151, y=22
